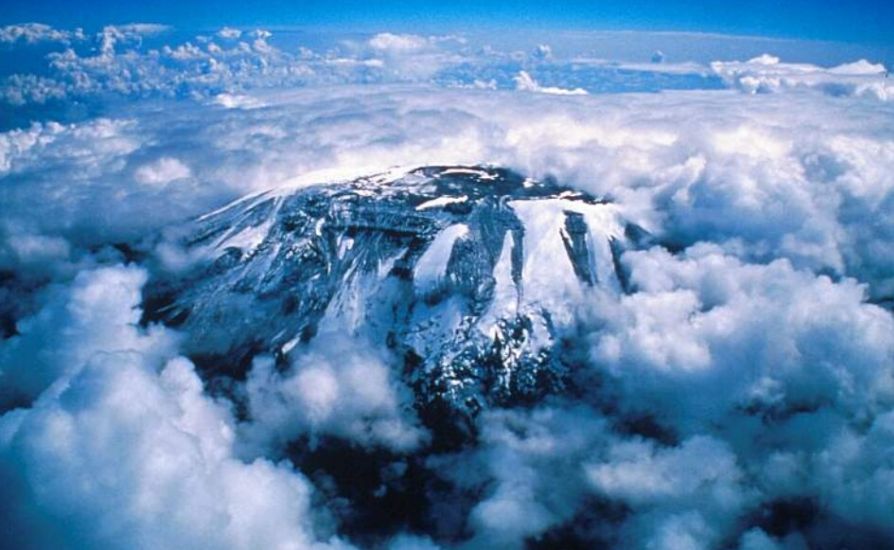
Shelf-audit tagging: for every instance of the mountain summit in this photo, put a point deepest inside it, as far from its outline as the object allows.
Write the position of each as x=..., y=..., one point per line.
x=470, y=275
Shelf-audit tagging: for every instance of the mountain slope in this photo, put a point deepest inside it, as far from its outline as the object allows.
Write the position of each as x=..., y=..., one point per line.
x=470, y=275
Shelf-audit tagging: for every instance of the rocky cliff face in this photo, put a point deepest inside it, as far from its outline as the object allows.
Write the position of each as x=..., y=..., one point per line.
x=470, y=275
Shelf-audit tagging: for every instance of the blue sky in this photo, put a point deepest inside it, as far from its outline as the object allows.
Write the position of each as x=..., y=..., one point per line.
x=862, y=21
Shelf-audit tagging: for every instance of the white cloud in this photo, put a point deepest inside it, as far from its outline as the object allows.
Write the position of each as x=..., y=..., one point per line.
x=767, y=73
x=126, y=457
x=751, y=348
x=528, y=487
x=236, y=101
x=123, y=445
x=764, y=178
x=389, y=42
x=97, y=314
x=113, y=36
x=229, y=33
x=341, y=386
x=763, y=333
x=251, y=60
x=688, y=496
x=756, y=354
x=542, y=469
x=542, y=52
x=526, y=83
x=21, y=249
x=32, y=33
x=162, y=171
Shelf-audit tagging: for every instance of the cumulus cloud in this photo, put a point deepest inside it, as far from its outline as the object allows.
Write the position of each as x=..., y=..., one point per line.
x=162, y=171
x=764, y=333
x=765, y=189
x=133, y=33
x=119, y=61
x=562, y=475
x=229, y=33
x=122, y=455
x=27, y=251
x=94, y=315
x=236, y=101
x=388, y=42
x=32, y=33
x=685, y=497
x=341, y=386
x=117, y=185
x=120, y=412
x=711, y=346
x=766, y=74
x=526, y=83
x=413, y=57
x=233, y=60
x=528, y=489
x=733, y=391
x=739, y=393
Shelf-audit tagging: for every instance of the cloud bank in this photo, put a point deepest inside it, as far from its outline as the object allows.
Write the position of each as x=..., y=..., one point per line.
x=124, y=448
x=740, y=394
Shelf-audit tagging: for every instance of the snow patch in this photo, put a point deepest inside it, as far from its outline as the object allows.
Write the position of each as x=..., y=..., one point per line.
x=432, y=266
x=441, y=201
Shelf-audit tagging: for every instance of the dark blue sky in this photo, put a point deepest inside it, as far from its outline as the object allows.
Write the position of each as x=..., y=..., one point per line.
x=860, y=21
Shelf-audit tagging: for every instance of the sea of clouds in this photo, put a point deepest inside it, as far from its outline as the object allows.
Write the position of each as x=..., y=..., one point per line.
x=741, y=397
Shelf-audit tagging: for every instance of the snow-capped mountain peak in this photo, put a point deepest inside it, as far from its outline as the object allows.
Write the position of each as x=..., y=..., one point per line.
x=469, y=274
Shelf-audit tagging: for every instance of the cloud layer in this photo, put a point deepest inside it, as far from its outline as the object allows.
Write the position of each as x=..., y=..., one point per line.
x=125, y=448
x=740, y=395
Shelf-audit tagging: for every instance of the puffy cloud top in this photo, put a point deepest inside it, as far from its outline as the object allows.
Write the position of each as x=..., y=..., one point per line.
x=737, y=392
x=31, y=33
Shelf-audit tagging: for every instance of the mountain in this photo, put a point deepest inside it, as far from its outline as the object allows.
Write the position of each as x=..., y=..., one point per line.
x=470, y=275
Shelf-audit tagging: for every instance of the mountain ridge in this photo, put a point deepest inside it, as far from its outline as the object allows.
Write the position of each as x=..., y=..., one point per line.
x=468, y=274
